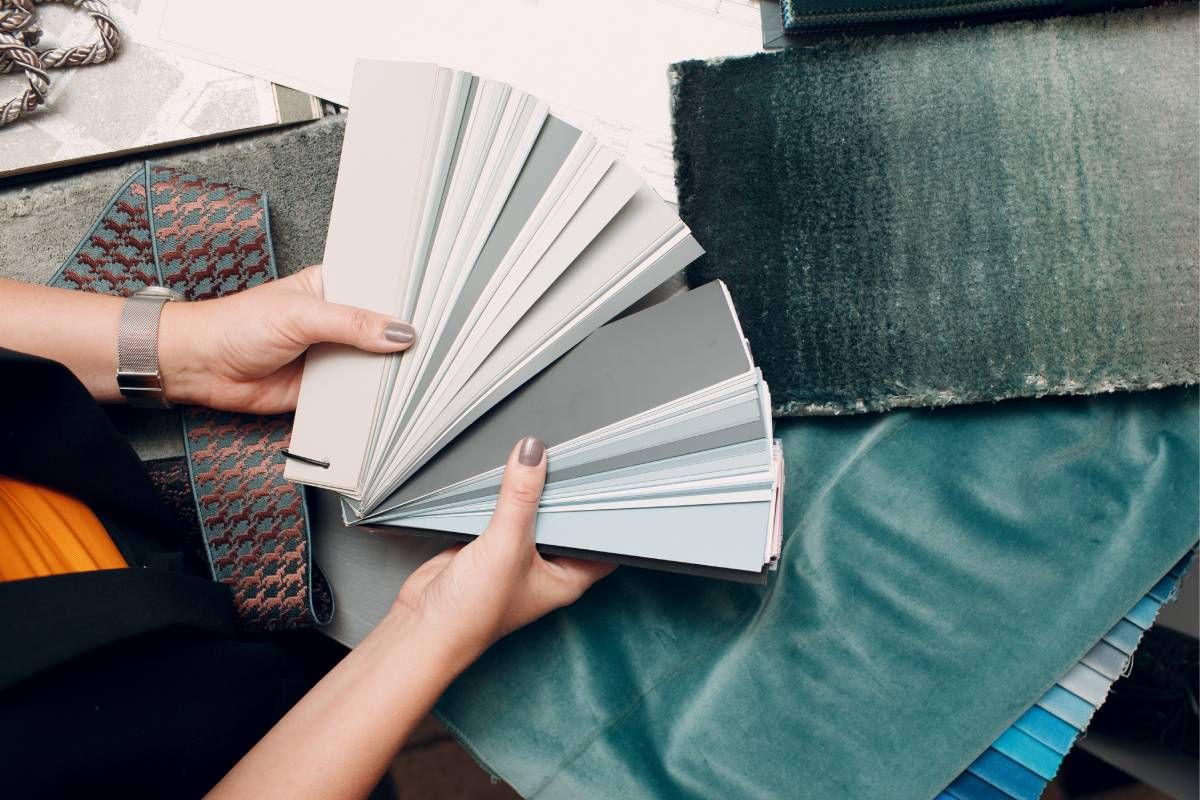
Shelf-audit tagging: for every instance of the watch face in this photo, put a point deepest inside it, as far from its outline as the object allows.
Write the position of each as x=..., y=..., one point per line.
x=158, y=291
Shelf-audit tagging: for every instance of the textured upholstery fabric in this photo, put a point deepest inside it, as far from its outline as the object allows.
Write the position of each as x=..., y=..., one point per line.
x=940, y=218
x=1025, y=757
x=812, y=16
x=205, y=239
x=942, y=569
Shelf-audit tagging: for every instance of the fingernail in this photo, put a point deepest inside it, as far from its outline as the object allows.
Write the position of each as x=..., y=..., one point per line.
x=531, y=451
x=400, y=333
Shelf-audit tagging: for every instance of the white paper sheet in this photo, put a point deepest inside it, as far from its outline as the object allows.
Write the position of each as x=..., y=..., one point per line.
x=601, y=66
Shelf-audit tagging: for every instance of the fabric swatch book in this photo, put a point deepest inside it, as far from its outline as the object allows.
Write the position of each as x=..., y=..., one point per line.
x=508, y=238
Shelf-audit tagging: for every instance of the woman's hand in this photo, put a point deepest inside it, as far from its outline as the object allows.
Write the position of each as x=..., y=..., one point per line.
x=242, y=352
x=340, y=738
x=238, y=353
x=467, y=597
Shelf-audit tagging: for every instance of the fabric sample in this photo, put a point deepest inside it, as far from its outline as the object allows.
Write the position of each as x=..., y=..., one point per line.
x=1047, y=729
x=923, y=549
x=206, y=239
x=1157, y=701
x=840, y=16
x=296, y=167
x=1027, y=756
x=951, y=217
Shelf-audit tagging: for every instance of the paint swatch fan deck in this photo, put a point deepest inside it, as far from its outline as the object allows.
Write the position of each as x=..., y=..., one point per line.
x=509, y=238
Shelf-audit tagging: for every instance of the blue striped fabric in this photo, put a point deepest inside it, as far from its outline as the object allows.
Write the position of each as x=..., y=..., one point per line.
x=1024, y=749
x=1124, y=636
x=969, y=787
x=1026, y=757
x=1007, y=775
x=1047, y=729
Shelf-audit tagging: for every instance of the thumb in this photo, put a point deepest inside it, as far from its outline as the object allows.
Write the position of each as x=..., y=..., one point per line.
x=321, y=321
x=511, y=528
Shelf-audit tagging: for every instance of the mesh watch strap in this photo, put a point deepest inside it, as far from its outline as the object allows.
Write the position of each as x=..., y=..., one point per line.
x=138, y=376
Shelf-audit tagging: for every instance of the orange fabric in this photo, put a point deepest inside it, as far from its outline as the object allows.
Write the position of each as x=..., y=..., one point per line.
x=44, y=532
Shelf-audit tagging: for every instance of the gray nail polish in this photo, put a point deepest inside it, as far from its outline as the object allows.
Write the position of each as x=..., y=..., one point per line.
x=531, y=451
x=400, y=333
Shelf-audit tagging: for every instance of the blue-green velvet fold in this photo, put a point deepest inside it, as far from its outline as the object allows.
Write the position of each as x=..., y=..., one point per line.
x=941, y=570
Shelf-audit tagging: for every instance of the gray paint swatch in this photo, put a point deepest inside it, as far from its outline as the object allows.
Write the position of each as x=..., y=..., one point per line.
x=657, y=355
x=547, y=156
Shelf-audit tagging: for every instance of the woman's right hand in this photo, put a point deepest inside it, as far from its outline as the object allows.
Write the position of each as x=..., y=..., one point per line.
x=469, y=596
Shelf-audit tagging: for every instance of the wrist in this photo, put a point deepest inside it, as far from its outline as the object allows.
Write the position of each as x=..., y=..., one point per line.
x=180, y=356
x=435, y=644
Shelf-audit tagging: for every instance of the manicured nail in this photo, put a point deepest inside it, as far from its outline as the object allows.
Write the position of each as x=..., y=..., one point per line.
x=400, y=333
x=531, y=451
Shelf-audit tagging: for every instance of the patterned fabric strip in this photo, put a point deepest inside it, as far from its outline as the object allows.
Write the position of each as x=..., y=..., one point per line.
x=116, y=256
x=207, y=239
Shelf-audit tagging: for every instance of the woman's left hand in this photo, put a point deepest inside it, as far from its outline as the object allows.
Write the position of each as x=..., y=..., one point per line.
x=243, y=352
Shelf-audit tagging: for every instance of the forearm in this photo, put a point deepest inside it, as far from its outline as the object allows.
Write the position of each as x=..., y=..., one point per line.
x=78, y=329
x=338, y=741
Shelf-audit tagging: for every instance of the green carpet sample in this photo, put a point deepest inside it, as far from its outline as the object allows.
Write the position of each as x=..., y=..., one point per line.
x=941, y=570
x=808, y=16
x=993, y=212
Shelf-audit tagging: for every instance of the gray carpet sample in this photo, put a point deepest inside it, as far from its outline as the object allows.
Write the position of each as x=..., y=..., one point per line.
x=976, y=214
x=296, y=167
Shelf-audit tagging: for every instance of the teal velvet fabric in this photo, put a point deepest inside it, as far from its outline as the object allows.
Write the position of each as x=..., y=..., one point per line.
x=941, y=570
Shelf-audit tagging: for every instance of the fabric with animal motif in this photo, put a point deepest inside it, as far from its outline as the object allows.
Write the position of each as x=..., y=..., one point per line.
x=207, y=239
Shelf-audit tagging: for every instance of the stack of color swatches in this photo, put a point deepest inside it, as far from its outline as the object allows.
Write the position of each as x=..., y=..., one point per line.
x=1027, y=756
x=508, y=237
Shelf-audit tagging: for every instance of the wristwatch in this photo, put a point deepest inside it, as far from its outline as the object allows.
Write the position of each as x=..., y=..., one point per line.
x=138, y=375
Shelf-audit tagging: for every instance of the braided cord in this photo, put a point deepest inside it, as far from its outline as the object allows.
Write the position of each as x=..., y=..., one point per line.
x=17, y=18
x=13, y=50
x=20, y=33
